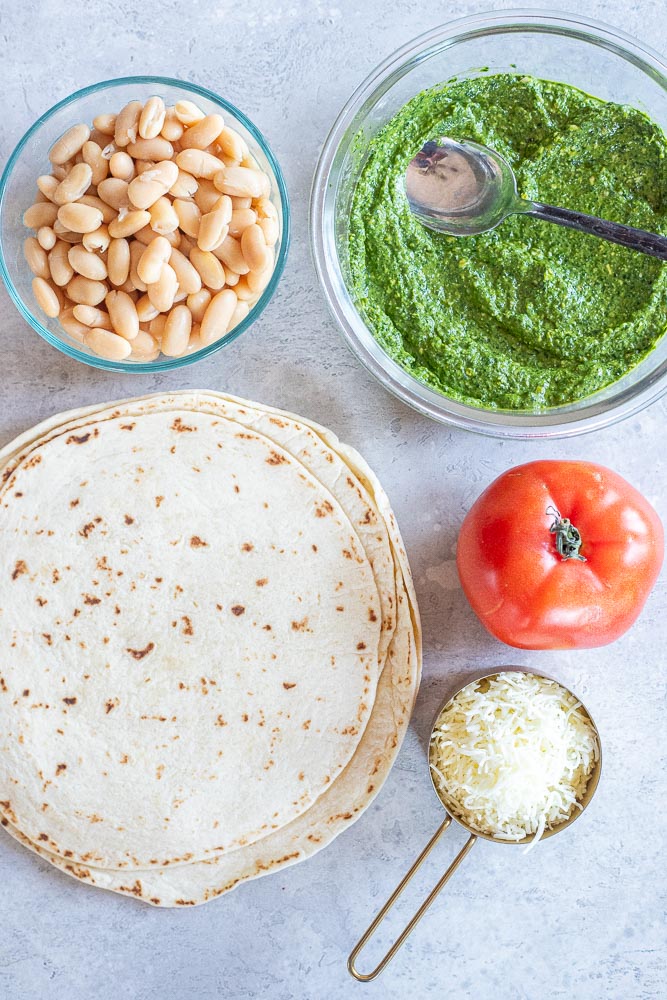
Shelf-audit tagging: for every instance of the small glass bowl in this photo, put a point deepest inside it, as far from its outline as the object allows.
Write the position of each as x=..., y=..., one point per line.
x=586, y=54
x=30, y=159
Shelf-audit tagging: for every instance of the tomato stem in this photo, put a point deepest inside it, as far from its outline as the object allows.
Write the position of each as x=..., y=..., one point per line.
x=568, y=538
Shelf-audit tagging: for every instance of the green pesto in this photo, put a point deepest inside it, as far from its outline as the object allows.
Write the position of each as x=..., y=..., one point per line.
x=529, y=315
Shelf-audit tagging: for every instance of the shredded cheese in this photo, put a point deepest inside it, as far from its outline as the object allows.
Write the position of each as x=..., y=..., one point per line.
x=512, y=755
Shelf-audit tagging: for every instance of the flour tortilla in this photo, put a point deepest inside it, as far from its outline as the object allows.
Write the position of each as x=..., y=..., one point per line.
x=305, y=441
x=198, y=666
x=334, y=811
x=354, y=789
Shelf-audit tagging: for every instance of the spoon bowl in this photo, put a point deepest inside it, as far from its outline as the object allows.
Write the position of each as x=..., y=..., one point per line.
x=460, y=188
x=464, y=188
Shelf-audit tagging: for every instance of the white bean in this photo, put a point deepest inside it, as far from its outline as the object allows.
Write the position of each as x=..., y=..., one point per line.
x=199, y=163
x=270, y=229
x=231, y=278
x=195, y=343
x=258, y=280
x=187, y=112
x=108, y=213
x=47, y=185
x=202, y=133
x=184, y=186
x=154, y=256
x=151, y=149
x=106, y=124
x=266, y=209
x=146, y=311
x=107, y=345
x=69, y=144
x=61, y=270
x=72, y=326
x=147, y=234
x=86, y=291
x=97, y=242
x=253, y=248
x=162, y=292
x=243, y=290
x=163, y=216
x=61, y=170
x=188, y=277
x=163, y=212
x=209, y=267
x=121, y=165
x=156, y=327
x=240, y=182
x=145, y=347
x=129, y=224
x=46, y=297
x=118, y=261
x=127, y=124
x=213, y=229
x=99, y=166
x=136, y=253
x=87, y=264
x=46, y=238
x=172, y=128
x=92, y=316
x=177, y=332
x=42, y=213
x=217, y=316
x=240, y=312
x=63, y=233
x=123, y=314
x=206, y=196
x=232, y=145
x=75, y=184
x=240, y=220
x=197, y=303
x=230, y=253
x=114, y=192
x=80, y=218
x=152, y=184
x=189, y=216
x=36, y=258
x=152, y=118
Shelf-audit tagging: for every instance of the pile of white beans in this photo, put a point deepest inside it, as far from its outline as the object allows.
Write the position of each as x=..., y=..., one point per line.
x=154, y=231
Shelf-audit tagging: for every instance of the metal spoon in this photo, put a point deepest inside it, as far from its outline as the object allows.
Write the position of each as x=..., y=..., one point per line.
x=464, y=188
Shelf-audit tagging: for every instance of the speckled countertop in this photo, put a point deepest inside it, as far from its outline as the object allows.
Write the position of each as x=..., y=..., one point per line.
x=580, y=918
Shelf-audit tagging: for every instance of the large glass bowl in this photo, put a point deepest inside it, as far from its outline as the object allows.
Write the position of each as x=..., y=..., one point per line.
x=563, y=47
x=30, y=159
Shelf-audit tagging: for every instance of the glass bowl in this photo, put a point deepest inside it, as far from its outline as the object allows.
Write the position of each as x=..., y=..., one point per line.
x=586, y=54
x=30, y=159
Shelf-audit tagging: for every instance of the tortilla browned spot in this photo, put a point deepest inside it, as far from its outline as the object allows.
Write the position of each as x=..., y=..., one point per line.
x=19, y=569
x=138, y=654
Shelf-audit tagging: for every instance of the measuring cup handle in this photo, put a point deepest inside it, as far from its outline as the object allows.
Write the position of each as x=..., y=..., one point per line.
x=363, y=940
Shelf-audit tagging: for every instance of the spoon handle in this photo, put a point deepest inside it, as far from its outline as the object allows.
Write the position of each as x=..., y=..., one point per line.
x=635, y=239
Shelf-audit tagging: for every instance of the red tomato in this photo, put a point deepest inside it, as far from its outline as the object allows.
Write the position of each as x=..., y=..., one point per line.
x=529, y=595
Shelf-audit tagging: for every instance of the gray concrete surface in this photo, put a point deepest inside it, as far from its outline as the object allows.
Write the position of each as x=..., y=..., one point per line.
x=580, y=918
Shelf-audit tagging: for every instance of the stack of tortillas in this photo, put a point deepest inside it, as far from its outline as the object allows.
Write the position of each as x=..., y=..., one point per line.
x=209, y=642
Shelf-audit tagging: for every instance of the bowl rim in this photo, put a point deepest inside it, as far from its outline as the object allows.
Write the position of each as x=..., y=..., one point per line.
x=163, y=363
x=550, y=423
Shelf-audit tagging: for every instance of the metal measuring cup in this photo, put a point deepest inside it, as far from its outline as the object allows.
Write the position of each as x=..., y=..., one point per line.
x=472, y=839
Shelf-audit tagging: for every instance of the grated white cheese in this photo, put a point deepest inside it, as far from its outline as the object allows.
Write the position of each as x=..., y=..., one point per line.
x=512, y=755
